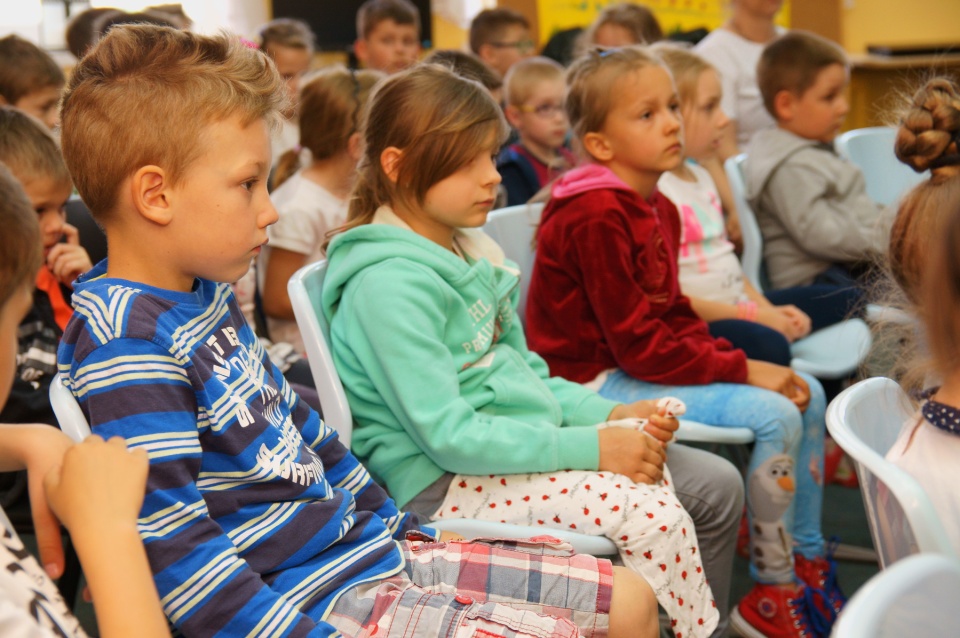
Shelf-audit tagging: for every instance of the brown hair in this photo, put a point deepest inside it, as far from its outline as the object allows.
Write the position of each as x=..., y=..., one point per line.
x=81, y=33
x=331, y=109
x=590, y=84
x=439, y=120
x=373, y=12
x=487, y=26
x=926, y=232
x=144, y=94
x=287, y=32
x=466, y=65
x=21, y=248
x=792, y=62
x=25, y=68
x=524, y=75
x=635, y=18
x=28, y=149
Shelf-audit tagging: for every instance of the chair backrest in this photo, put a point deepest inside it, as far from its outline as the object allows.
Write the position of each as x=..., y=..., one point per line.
x=514, y=228
x=865, y=420
x=69, y=415
x=752, y=257
x=915, y=597
x=304, y=289
x=871, y=149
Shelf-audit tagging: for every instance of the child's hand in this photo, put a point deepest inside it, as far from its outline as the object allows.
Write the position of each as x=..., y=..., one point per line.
x=799, y=320
x=46, y=446
x=631, y=453
x=99, y=485
x=660, y=425
x=780, y=379
x=68, y=260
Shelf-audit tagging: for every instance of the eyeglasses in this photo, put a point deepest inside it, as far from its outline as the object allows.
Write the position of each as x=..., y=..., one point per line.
x=524, y=46
x=543, y=111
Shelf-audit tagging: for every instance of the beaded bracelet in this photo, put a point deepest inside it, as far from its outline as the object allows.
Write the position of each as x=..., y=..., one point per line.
x=747, y=310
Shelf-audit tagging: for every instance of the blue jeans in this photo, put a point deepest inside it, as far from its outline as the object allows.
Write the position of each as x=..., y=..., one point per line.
x=781, y=431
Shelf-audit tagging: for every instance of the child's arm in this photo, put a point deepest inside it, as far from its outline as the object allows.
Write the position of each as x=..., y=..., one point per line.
x=789, y=321
x=675, y=351
x=828, y=223
x=68, y=259
x=97, y=493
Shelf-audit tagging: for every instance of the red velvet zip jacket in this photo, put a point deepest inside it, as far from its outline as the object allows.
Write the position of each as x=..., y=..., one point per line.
x=604, y=291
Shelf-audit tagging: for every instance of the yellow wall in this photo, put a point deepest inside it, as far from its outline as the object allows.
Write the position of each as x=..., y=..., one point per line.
x=899, y=22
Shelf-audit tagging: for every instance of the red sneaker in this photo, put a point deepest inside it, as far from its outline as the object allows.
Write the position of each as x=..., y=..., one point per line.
x=821, y=574
x=775, y=611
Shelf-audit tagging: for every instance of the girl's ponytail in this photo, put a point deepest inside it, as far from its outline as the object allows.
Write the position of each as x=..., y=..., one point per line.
x=288, y=165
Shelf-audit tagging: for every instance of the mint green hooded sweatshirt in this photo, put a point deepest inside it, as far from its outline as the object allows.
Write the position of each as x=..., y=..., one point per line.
x=436, y=367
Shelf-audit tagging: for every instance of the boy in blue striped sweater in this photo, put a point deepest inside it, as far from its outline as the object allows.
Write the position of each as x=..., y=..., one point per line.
x=256, y=520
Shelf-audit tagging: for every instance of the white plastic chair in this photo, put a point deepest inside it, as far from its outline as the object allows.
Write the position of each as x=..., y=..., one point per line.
x=915, y=597
x=305, y=287
x=871, y=149
x=514, y=228
x=67, y=410
x=865, y=420
x=834, y=352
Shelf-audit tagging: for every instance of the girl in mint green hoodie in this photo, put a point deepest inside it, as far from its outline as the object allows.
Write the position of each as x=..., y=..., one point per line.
x=453, y=412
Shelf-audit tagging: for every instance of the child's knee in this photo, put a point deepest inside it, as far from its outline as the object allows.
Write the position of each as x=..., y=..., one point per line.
x=633, y=606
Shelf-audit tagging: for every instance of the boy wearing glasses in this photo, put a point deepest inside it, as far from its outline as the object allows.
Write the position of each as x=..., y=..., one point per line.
x=500, y=38
x=533, y=93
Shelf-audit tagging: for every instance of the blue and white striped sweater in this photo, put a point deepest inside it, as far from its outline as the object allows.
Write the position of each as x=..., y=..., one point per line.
x=255, y=516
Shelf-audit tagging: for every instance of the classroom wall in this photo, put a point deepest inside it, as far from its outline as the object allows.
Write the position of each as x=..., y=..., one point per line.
x=866, y=22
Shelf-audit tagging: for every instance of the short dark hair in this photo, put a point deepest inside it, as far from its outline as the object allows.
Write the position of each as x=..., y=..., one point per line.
x=488, y=26
x=287, y=32
x=21, y=249
x=466, y=65
x=791, y=63
x=373, y=12
x=25, y=68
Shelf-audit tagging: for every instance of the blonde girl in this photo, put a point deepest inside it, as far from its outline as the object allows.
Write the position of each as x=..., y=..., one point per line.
x=312, y=200
x=453, y=412
x=923, y=259
x=605, y=309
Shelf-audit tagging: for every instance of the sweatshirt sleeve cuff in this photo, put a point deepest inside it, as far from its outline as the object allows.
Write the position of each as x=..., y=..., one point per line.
x=591, y=410
x=578, y=448
x=733, y=367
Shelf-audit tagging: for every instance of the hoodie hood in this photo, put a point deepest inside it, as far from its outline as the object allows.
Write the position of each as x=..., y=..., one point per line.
x=769, y=149
x=388, y=237
x=589, y=177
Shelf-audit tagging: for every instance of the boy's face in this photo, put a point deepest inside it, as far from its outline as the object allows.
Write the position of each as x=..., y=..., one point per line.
x=220, y=211
x=818, y=114
x=390, y=47
x=11, y=314
x=613, y=36
x=513, y=44
x=541, y=121
x=48, y=198
x=291, y=64
x=42, y=104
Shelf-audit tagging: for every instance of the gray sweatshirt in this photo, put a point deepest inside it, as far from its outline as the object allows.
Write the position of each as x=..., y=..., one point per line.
x=812, y=208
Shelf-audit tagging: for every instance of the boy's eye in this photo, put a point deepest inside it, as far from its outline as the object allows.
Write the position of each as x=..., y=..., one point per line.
x=249, y=184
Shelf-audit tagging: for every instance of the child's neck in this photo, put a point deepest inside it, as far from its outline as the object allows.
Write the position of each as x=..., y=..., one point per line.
x=547, y=155
x=336, y=174
x=428, y=228
x=644, y=182
x=949, y=392
x=683, y=172
x=752, y=27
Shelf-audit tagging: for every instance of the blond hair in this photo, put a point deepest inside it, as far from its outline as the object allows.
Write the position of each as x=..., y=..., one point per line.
x=331, y=110
x=439, y=121
x=144, y=94
x=590, y=84
x=524, y=76
x=792, y=62
x=685, y=66
x=28, y=149
x=21, y=249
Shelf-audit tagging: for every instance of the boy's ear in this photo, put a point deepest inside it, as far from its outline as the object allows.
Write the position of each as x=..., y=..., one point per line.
x=390, y=162
x=513, y=115
x=597, y=146
x=784, y=105
x=360, y=50
x=150, y=190
x=485, y=53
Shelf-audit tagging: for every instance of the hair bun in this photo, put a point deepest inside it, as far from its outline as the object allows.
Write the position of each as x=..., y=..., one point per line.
x=930, y=125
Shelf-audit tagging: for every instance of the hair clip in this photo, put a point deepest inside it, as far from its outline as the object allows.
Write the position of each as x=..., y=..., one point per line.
x=605, y=52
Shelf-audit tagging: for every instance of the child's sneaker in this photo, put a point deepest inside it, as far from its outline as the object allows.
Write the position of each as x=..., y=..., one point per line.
x=821, y=574
x=774, y=611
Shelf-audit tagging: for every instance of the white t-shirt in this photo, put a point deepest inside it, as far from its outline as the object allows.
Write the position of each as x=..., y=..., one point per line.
x=735, y=59
x=30, y=605
x=709, y=268
x=284, y=138
x=933, y=459
x=307, y=212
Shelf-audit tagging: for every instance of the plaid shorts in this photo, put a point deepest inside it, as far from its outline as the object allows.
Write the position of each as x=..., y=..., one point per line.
x=482, y=588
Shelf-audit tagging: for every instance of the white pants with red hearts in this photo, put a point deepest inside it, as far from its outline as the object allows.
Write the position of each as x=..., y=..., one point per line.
x=652, y=531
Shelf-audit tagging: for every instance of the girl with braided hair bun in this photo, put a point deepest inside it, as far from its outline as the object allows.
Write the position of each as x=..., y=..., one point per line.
x=924, y=260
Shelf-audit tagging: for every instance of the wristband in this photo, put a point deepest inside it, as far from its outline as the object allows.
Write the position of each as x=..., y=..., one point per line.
x=747, y=310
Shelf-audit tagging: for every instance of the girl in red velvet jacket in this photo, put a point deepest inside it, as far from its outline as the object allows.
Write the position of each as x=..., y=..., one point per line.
x=605, y=309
